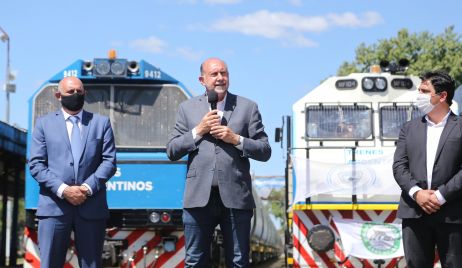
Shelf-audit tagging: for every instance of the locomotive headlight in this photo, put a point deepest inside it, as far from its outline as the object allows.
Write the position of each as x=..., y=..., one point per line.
x=154, y=217
x=169, y=243
x=88, y=66
x=374, y=84
x=368, y=83
x=165, y=217
x=102, y=67
x=321, y=238
x=110, y=67
x=118, y=67
x=381, y=83
x=133, y=66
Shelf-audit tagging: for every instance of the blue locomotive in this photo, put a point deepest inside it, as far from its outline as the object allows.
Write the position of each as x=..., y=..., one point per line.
x=145, y=195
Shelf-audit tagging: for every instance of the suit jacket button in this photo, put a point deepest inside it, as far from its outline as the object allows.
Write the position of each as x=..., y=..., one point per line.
x=71, y=164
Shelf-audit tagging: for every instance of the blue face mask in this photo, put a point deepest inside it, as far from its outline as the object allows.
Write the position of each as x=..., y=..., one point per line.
x=423, y=102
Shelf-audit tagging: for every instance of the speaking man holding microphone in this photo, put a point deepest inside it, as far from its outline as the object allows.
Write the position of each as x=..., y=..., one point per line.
x=219, y=132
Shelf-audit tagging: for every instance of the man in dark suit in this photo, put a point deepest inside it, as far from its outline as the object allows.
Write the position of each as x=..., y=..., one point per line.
x=428, y=168
x=218, y=143
x=72, y=156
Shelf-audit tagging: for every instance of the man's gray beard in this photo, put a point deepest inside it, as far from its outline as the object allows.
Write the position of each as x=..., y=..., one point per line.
x=220, y=89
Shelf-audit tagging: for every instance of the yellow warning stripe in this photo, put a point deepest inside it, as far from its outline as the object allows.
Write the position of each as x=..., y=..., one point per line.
x=346, y=207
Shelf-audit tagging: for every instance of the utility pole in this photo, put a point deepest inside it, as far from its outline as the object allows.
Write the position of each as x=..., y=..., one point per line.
x=8, y=77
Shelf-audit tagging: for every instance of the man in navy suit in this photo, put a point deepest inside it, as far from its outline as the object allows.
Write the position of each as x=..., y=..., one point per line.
x=428, y=168
x=219, y=144
x=72, y=156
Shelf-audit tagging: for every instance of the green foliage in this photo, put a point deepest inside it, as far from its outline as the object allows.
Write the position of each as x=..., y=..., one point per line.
x=424, y=50
x=276, y=205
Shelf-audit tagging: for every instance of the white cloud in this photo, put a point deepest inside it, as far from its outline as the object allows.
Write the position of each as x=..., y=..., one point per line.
x=270, y=24
x=297, y=3
x=349, y=19
x=222, y=2
x=151, y=44
x=299, y=41
x=189, y=54
x=283, y=25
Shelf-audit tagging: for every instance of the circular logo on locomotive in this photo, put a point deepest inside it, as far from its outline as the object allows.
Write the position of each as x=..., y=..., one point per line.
x=381, y=238
x=352, y=177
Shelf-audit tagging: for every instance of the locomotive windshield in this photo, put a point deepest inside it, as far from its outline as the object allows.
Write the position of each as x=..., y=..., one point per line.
x=339, y=122
x=393, y=117
x=142, y=116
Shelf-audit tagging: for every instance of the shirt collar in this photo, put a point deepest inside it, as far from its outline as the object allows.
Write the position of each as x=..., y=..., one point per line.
x=66, y=115
x=224, y=99
x=442, y=123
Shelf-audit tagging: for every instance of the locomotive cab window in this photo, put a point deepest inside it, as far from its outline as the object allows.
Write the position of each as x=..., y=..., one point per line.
x=338, y=121
x=142, y=116
x=393, y=116
x=145, y=115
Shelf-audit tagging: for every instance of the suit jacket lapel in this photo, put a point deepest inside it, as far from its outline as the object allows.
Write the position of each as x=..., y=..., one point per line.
x=421, y=137
x=62, y=128
x=450, y=124
x=86, y=122
x=230, y=105
x=203, y=105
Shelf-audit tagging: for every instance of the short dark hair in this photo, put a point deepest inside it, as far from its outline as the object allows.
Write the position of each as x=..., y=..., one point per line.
x=441, y=81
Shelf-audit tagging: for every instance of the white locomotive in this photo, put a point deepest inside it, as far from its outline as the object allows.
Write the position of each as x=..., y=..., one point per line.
x=340, y=144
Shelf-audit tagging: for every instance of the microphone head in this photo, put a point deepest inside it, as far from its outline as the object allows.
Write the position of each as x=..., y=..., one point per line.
x=212, y=96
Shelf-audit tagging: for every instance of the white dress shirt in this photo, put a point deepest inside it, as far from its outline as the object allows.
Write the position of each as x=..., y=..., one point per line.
x=69, y=127
x=220, y=108
x=434, y=132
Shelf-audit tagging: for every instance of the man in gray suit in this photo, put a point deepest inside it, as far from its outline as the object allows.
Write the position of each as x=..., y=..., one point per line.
x=428, y=168
x=72, y=156
x=219, y=143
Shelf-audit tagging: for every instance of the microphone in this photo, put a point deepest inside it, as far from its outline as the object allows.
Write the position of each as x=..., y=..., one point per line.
x=213, y=99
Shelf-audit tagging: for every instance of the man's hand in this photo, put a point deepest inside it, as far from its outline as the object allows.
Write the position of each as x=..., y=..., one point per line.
x=427, y=200
x=75, y=195
x=208, y=121
x=434, y=199
x=84, y=190
x=225, y=134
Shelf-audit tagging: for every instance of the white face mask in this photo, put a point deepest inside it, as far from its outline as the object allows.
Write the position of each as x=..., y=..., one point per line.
x=423, y=103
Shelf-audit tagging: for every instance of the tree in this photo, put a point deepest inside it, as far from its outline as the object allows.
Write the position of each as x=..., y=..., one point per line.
x=276, y=205
x=424, y=51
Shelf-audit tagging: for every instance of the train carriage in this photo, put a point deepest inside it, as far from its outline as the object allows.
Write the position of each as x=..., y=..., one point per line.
x=145, y=195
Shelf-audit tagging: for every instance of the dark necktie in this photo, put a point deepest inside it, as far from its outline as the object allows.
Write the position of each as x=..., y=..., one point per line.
x=76, y=143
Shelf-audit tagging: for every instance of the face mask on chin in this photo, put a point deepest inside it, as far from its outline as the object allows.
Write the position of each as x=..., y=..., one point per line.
x=73, y=102
x=423, y=102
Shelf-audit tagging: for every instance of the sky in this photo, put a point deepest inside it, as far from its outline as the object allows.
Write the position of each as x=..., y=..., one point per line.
x=276, y=50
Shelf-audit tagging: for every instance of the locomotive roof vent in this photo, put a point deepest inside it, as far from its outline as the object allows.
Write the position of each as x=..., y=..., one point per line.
x=393, y=67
